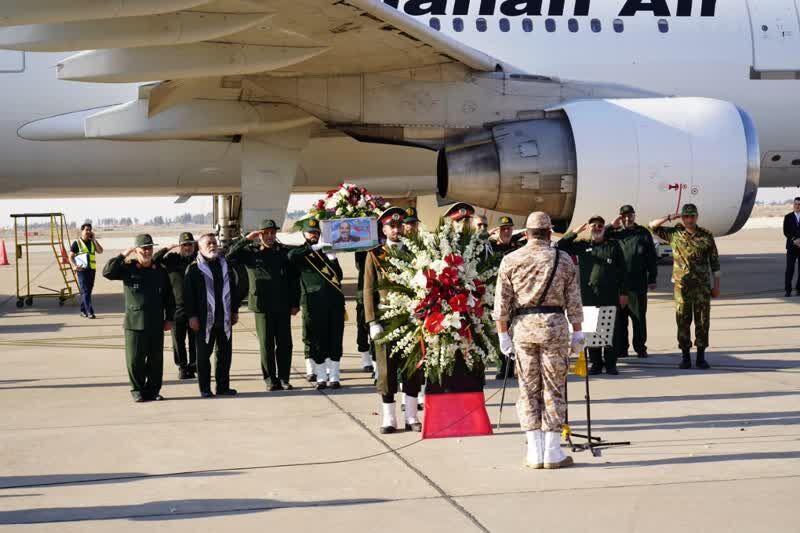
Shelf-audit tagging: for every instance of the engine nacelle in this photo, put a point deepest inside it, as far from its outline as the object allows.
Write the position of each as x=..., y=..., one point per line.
x=653, y=153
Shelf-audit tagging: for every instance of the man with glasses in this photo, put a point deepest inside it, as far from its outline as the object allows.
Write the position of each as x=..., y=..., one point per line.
x=695, y=268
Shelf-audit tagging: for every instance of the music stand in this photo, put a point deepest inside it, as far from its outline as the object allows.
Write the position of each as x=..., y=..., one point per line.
x=602, y=335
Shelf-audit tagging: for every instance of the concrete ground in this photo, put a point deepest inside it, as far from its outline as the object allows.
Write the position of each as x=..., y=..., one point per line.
x=711, y=451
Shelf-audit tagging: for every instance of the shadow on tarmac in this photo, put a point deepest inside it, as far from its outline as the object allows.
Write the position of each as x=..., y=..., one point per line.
x=166, y=510
x=67, y=480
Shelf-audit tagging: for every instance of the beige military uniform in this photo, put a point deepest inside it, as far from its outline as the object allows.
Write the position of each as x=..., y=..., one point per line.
x=541, y=341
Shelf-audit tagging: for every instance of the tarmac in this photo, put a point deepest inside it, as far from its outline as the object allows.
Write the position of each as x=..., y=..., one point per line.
x=715, y=450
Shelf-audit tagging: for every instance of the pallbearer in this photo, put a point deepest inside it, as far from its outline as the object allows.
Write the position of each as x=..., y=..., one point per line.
x=149, y=311
x=391, y=222
x=322, y=301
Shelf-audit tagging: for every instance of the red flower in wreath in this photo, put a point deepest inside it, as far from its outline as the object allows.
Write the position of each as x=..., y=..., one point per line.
x=434, y=323
x=454, y=260
x=458, y=303
x=449, y=276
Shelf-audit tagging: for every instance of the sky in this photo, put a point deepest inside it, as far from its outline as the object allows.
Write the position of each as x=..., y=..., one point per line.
x=79, y=210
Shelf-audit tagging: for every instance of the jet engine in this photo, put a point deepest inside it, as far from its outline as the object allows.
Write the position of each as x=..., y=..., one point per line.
x=592, y=156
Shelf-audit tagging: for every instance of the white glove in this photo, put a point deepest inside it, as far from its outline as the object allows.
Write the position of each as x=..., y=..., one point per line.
x=578, y=342
x=506, y=345
x=375, y=330
x=331, y=256
x=319, y=246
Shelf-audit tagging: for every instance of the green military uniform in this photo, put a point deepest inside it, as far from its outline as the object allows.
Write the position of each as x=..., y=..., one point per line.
x=502, y=249
x=322, y=301
x=362, y=331
x=149, y=302
x=176, y=264
x=274, y=292
x=641, y=270
x=215, y=331
x=695, y=265
x=602, y=273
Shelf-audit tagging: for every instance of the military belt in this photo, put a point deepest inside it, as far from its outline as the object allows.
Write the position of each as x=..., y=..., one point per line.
x=538, y=310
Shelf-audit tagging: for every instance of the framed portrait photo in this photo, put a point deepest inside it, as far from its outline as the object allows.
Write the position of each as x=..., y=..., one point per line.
x=351, y=234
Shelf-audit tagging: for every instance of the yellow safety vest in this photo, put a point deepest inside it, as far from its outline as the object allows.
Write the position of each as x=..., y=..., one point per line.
x=90, y=252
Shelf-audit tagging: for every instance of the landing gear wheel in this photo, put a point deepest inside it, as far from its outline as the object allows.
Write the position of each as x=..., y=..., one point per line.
x=29, y=301
x=20, y=304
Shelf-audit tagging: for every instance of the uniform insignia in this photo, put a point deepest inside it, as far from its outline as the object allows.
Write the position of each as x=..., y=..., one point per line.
x=312, y=223
x=396, y=216
x=462, y=211
x=409, y=211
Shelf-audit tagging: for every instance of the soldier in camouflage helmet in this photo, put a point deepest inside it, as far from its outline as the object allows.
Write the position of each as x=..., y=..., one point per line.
x=696, y=275
x=536, y=285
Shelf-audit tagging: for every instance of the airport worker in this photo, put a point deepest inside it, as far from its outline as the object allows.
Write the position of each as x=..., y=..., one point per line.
x=696, y=275
x=411, y=221
x=274, y=298
x=502, y=244
x=391, y=221
x=83, y=256
x=536, y=286
x=149, y=312
x=176, y=259
x=641, y=272
x=362, y=328
x=602, y=274
x=322, y=301
x=791, y=230
x=211, y=300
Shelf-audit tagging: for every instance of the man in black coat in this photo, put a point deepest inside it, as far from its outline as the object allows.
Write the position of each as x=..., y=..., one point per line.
x=791, y=230
x=211, y=301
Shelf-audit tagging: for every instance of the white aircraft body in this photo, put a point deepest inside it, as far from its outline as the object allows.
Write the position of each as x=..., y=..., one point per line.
x=572, y=107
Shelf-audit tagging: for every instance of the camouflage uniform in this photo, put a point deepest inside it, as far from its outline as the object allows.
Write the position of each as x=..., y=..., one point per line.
x=695, y=264
x=541, y=341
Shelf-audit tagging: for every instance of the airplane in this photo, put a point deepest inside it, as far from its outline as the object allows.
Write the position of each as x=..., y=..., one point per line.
x=570, y=107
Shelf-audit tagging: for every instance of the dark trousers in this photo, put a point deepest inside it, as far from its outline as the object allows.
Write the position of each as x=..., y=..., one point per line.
x=86, y=284
x=600, y=356
x=275, y=343
x=390, y=375
x=180, y=332
x=144, y=357
x=362, y=330
x=222, y=367
x=636, y=313
x=323, y=330
x=792, y=259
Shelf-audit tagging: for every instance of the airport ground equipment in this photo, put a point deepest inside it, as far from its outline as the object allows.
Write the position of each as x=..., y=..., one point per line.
x=56, y=237
x=601, y=336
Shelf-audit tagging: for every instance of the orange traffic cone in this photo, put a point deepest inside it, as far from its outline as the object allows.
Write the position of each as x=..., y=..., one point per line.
x=64, y=258
x=3, y=253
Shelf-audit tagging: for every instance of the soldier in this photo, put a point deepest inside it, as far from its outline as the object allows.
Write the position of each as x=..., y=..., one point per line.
x=388, y=366
x=211, y=297
x=602, y=273
x=535, y=286
x=641, y=272
x=322, y=301
x=274, y=298
x=149, y=311
x=502, y=237
x=362, y=329
x=176, y=259
x=85, y=269
x=695, y=262
x=410, y=222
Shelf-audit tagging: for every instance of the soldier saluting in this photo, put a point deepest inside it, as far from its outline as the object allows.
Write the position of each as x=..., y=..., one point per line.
x=149, y=311
x=274, y=298
x=322, y=301
x=391, y=222
x=695, y=266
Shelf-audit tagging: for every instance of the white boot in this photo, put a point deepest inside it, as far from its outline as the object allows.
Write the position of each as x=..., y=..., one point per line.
x=328, y=367
x=366, y=362
x=554, y=456
x=389, y=424
x=535, y=455
x=310, y=369
x=320, y=372
x=421, y=398
x=412, y=422
x=333, y=377
x=375, y=372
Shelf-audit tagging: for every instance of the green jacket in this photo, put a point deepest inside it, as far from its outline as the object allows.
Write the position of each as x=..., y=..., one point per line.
x=639, y=251
x=601, y=267
x=194, y=292
x=273, y=287
x=175, y=264
x=149, y=300
x=315, y=288
x=695, y=259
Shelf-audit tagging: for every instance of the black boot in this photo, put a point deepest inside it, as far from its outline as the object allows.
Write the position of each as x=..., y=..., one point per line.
x=701, y=359
x=596, y=358
x=611, y=363
x=686, y=360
